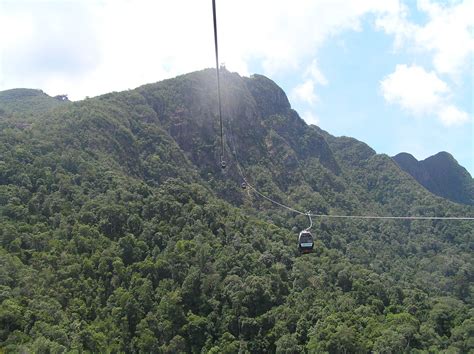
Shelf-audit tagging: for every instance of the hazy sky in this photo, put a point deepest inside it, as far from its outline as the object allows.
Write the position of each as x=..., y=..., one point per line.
x=397, y=75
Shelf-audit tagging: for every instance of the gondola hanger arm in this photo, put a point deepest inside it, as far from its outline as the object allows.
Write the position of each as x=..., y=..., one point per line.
x=308, y=214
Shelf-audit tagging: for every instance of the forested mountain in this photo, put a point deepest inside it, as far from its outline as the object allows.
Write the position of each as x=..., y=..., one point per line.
x=28, y=102
x=119, y=231
x=441, y=175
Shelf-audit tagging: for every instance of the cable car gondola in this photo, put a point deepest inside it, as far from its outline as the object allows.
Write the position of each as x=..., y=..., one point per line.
x=305, y=239
x=305, y=242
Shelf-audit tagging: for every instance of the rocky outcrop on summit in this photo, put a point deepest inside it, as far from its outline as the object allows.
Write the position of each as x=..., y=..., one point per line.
x=441, y=175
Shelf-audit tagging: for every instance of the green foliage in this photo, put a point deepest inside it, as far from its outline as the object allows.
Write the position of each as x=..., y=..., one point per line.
x=28, y=102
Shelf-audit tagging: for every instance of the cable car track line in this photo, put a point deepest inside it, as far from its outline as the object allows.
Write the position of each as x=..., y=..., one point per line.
x=375, y=217
x=218, y=83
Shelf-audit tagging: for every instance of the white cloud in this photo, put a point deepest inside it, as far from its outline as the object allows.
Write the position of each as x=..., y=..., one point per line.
x=447, y=35
x=396, y=22
x=305, y=92
x=46, y=42
x=88, y=48
x=421, y=93
x=315, y=73
x=310, y=118
x=284, y=37
x=414, y=89
x=450, y=115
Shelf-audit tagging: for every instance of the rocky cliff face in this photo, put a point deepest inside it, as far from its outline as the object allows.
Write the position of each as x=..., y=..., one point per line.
x=259, y=125
x=440, y=174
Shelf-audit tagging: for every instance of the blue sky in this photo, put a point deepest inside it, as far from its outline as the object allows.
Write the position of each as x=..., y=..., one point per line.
x=397, y=75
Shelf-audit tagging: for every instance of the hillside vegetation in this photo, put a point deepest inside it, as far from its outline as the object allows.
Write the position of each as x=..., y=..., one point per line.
x=120, y=233
x=27, y=102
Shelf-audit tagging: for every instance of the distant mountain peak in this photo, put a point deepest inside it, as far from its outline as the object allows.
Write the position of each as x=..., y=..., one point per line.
x=270, y=98
x=21, y=93
x=28, y=101
x=442, y=156
x=441, y=175
x=406, y=157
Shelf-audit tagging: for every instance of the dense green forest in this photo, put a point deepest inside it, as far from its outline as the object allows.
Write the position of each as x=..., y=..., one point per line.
x=119, y=232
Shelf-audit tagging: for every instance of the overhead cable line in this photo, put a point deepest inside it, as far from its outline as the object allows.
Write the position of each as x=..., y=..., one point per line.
x=223, y=164
x=353, y=216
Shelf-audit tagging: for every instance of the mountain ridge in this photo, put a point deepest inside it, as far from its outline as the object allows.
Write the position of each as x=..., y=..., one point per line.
x=440, y=174
x=25, y=101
